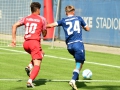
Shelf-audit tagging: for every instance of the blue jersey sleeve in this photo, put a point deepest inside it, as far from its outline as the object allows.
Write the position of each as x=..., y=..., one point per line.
x=59, y=22
x=82, y=22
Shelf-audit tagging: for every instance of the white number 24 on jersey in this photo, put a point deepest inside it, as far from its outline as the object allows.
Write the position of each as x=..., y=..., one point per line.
x=75, y=26
x=30, y=28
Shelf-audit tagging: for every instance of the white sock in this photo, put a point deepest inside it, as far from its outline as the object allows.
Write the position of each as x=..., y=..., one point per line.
x=30, y=66
x=30, y=80
x=73, y=81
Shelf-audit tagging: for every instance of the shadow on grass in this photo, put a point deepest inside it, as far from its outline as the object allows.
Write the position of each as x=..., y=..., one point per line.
x=83, y=85
x=37, y=82
x=101, y=87
x=80, y=85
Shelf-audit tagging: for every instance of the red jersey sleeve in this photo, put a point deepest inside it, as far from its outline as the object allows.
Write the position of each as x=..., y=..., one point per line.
x=22, y=21
x=44, y=23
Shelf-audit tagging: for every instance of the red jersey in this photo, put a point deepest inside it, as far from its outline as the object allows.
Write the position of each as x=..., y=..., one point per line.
x=34, y=24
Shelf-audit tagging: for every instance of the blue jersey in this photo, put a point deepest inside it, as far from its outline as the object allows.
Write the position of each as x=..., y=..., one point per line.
x=72, y=26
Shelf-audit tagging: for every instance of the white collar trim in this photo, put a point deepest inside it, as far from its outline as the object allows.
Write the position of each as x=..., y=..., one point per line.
x=70, y=15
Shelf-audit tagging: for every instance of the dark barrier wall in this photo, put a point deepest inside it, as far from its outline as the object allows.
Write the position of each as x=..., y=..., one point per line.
x=102, y=16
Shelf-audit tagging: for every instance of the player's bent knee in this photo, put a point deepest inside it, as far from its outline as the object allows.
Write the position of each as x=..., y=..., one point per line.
x=37, y=62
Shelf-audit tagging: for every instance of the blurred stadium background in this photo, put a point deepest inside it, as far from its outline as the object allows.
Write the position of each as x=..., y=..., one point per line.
x=102, y=16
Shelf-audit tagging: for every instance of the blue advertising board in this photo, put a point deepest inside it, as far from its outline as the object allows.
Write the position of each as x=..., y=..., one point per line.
x=102, y=16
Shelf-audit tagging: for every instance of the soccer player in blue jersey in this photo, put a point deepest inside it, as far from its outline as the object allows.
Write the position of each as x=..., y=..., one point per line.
x=73, y=26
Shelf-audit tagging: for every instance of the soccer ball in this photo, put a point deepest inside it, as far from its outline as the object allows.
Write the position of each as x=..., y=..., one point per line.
x=87, y=74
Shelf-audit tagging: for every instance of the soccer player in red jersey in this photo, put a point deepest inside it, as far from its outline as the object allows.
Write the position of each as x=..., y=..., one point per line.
x=34, y=26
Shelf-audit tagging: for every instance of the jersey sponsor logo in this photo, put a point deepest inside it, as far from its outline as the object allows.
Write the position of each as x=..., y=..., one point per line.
x=31, y=19
x=71, y=19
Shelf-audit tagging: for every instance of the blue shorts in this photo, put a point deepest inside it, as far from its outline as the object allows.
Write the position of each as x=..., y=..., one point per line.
x=77, y=50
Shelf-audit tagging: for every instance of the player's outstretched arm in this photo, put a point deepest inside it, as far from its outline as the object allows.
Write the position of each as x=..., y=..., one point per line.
x=14, y=29
x=51, y=25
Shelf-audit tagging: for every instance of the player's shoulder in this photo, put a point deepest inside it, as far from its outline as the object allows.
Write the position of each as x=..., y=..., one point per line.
x=24, y=18
x=61, y=20
x=79, y=17
x=41, y=17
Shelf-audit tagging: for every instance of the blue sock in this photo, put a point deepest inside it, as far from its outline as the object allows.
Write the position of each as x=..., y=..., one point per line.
x=78, y=65
x=76, y=71
x=75, y=74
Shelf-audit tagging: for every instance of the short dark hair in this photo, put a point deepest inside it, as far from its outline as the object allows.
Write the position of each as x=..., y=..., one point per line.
x=34, y=6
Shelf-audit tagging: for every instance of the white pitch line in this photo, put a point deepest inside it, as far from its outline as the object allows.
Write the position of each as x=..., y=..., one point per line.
x=12, y=50
x=80, y=80
x=64, y=58
x=10, y=79
x=9, y=53
x=85, y=61
x=49, y=80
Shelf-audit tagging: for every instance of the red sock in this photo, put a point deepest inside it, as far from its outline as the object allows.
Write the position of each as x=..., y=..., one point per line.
x=34, y=72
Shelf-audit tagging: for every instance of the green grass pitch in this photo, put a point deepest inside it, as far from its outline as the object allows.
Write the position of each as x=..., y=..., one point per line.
x=56, y=70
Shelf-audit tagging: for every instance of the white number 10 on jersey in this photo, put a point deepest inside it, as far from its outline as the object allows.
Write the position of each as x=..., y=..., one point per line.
x=75, y=27
x=30, y=28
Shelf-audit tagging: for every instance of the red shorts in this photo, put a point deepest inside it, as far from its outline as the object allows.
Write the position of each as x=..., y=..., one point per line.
x=33, y=47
